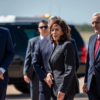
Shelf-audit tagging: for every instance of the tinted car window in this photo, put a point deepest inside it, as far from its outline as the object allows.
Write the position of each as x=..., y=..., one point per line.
x=20, y=34
x=75, y=35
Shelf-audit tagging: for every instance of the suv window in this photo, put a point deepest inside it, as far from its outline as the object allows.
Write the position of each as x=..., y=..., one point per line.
x=20, y=33
x=75, y=35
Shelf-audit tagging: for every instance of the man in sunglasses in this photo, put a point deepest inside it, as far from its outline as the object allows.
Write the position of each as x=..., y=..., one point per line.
x=28, y=71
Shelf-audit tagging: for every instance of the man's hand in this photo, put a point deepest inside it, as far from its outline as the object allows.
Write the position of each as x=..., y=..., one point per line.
x=60, y=95
x=26, y=79
x=49, y=79
x=85, y=88
x=1, y=75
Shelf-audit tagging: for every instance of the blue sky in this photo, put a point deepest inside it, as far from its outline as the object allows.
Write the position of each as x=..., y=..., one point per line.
x=72, y=11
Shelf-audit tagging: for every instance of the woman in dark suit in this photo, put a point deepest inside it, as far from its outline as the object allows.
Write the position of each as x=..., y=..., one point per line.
x=62, y=63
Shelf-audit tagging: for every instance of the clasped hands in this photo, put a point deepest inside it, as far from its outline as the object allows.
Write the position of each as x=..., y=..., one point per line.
x=60, y=95
x=1, y=75
x=49, y=78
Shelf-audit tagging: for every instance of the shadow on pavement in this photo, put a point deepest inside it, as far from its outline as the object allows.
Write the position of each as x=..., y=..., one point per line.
x=18, y=96
x=81, y=95
x=27, y=96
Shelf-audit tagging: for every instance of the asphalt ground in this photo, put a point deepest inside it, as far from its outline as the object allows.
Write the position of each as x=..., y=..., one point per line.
x=27, y=97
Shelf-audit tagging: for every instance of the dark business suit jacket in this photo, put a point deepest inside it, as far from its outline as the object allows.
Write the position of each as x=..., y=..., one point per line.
x=28, y=68
x=40, y=62
x=41, y=58
x=6, y=52
x=76, y=53
x=92, y=65
x=63, y=69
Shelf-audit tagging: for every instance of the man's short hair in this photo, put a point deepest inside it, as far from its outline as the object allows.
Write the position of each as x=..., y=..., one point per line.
x=43, y=21
x=53, y=18
x=96, y=14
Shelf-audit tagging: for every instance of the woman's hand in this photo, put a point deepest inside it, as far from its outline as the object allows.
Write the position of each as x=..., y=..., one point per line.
x=49, y=79
x=60, y=95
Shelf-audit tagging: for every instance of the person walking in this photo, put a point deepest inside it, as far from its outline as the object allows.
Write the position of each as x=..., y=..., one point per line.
x=28, y=71
x=62, y=63
x=92, y=74
x=6, y=57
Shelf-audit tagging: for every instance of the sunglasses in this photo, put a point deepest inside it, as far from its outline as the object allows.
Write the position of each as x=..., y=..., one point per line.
x=43, y=27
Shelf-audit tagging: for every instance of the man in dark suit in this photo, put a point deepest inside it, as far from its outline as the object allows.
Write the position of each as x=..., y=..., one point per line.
x=92, y=74
x=40, y=63
x=6, y=57
x=76, y=53
x=29, y=74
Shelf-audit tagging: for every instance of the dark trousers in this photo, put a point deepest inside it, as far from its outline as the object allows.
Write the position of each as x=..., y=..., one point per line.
x=45, y=95
x=34, y=88
x=94, y=93
x=3, y=88
x=68, y=97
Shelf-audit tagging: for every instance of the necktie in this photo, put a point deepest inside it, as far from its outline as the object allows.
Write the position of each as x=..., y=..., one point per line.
x=96, y=47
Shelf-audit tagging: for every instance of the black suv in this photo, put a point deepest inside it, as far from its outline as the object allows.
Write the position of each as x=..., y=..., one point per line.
x=20, y=33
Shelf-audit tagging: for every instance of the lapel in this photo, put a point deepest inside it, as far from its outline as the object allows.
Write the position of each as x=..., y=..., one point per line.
x=50, y=49
x=38, y=38
x=93, y=46
x=49, y=45
x=51, y=55
x=98, y=53
x=35, y=43
x=52, y=52
x=56, y=50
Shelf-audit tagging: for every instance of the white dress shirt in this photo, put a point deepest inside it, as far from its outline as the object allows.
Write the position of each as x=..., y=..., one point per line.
x=2, y=69
x=41, y=37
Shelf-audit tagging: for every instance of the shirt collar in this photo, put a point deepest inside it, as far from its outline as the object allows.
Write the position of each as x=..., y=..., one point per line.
x=41, y=37
x=98, y=35
x=47, y=36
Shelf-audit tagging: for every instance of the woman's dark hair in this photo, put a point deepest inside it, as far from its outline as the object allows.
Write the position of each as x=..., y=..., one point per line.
x=65, y=29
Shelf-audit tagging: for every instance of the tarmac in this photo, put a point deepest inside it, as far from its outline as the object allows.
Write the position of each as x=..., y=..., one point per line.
x=13, y=94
